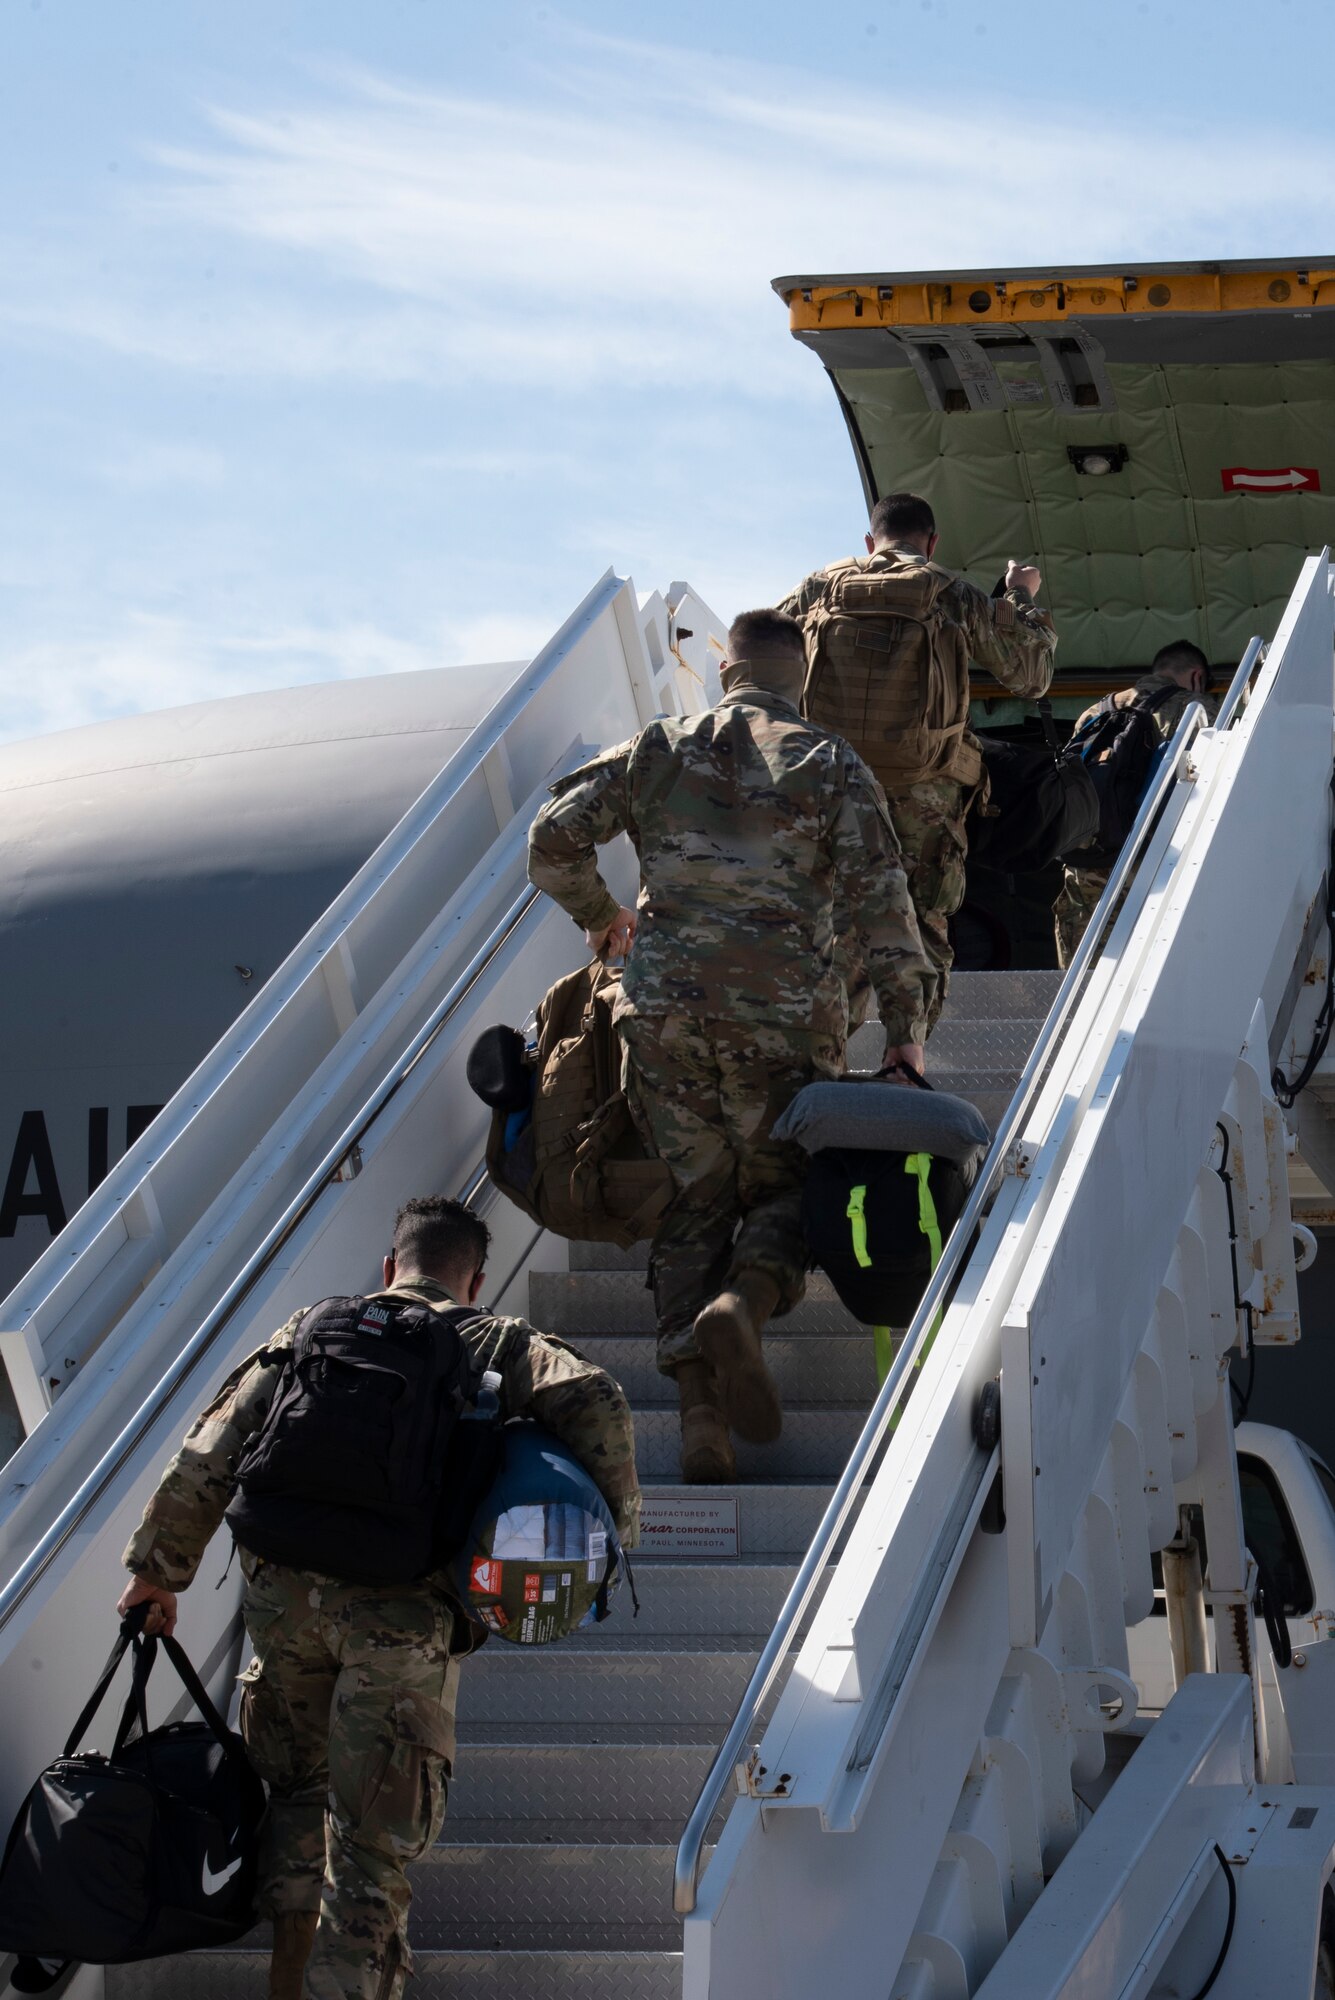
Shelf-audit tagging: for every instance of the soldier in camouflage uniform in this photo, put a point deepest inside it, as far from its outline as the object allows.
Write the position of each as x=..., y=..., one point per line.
x=1181, y=672
x=750, y=825
x=889, y=640
x=348, y=1705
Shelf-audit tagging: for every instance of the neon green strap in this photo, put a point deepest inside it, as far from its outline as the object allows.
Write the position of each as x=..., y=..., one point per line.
x=920, y=1166
x=857, y=1215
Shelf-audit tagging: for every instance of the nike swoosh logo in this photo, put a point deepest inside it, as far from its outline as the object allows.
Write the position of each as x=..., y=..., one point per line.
x=212, y=1882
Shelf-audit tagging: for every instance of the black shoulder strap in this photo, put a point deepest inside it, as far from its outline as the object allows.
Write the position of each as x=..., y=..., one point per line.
x=906, y=1070
x=197, y=1692
x=131, y=1626
x=1044, y=707
x=616, y=1559
x=145, y=1654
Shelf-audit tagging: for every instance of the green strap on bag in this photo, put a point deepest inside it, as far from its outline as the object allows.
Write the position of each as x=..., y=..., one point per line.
x=920, y=1166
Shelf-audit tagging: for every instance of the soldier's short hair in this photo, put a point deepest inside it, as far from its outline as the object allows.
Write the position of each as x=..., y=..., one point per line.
x=897, y=514
x=433, y=1231
x=1177, y=655
x=769, y=630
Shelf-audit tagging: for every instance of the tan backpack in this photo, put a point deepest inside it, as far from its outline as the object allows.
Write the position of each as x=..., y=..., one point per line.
x=578, y=1167
x=881, y=673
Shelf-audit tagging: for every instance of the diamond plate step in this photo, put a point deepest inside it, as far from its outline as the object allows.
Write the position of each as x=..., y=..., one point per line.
x=541, y=1895
x=608, y=1257
x=616, y=1302
x=809, y=1368
x=1000, y=1046
x=729, y=1602
x=527, y=1791
x=604, y=1696
x=438, y=1975
x=814, y=1444
x=1000, y=996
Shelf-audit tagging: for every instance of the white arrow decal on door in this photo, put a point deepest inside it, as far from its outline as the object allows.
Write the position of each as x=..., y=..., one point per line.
x=1241, y=478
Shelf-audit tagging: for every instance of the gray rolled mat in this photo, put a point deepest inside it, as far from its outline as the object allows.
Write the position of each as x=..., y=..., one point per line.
x=865, y=1114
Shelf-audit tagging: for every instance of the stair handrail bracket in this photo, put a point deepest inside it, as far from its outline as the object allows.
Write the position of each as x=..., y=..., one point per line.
x=1096, y=1295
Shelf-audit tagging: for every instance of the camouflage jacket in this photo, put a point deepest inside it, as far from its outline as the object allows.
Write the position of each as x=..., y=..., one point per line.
x=1169, y=713
x=540, y=1377
x=751, y=826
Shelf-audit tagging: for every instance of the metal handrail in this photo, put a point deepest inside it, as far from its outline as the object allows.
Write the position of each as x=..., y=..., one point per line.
x=115, y=1457
x=1254, y=656
x=687, y=1870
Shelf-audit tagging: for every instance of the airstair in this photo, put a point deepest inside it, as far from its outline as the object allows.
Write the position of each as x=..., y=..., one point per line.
x=932, y=1779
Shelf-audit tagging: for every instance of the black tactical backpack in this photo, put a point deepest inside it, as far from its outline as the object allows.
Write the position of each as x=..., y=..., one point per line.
x=1041, y=803
x=1120, y=748
x=380, y=1441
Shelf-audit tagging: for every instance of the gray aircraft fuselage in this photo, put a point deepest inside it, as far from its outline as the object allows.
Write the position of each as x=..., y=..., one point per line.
x=156, y=870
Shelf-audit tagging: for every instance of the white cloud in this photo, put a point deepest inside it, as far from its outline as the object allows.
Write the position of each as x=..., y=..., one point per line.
x=620, y=216
x=141, y=466
x=497, y=635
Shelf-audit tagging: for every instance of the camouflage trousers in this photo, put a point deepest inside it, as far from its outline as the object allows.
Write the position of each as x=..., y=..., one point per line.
x=347, y=1710
x=929, y=821
x=1076, y=903
x=703, y=1095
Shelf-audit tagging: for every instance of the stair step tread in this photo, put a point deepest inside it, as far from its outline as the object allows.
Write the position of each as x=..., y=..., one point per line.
x=637, y=1696
x=815, y=1442
x=678, y=1732
x=242, y=1974
x=480, y=1896
x=809, y=1369
x=616, y=1302
x=628, y=1830
x=575, y=1791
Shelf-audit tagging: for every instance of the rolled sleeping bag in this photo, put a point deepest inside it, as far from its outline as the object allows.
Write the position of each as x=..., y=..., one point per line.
x=891, y=1168
x=868, y=1114
x=541, y=1556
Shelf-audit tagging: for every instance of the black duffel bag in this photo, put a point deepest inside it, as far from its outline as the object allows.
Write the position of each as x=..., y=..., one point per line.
x=876, y=1224
x=150, y=1850
x=1042, y=804
x=891, y=1168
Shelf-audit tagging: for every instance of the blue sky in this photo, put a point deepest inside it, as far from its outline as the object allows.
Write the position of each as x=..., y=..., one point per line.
x=340, y=338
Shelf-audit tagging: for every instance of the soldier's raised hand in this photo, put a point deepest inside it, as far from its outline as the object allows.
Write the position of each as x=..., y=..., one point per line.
x=1023, y=576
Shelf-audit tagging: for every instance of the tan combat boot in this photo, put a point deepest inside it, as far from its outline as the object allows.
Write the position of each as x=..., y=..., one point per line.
x=293, y=1937
x=728, y=1332
x=707, y=1457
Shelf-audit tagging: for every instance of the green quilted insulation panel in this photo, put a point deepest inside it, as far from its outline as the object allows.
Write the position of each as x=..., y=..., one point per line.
x=1130, y=560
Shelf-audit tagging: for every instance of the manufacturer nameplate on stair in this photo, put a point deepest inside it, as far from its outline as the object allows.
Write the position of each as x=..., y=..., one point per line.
x=681, y=1527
